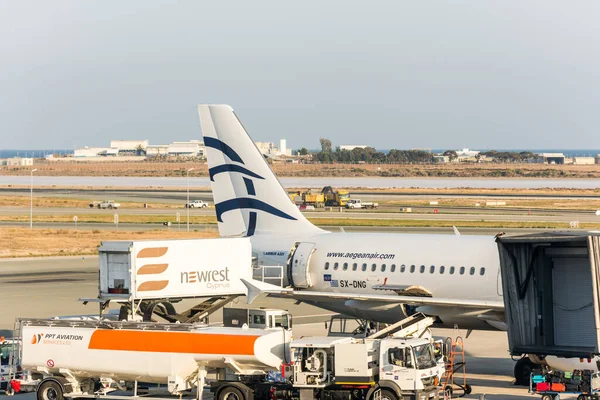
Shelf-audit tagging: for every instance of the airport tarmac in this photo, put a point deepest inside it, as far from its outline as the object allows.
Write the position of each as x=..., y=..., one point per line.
x=46, y=287
x=213, y=228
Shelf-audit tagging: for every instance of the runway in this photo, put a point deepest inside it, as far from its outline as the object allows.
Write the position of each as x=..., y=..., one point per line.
x=441, y=214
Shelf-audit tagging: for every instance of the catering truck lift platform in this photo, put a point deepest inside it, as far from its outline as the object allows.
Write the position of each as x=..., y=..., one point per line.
x=551, y=290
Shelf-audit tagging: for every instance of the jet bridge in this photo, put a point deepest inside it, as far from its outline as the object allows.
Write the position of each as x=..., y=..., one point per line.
x=551, y=286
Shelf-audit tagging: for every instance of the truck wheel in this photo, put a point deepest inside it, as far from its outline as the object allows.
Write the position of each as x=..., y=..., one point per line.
x=387, y=394
x=522, y=371
x=468, y=389
x=232, y=393
x=547, y=397
x=50, y=390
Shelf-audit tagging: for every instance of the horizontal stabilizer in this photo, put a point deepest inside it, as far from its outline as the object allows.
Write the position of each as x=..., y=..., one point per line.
x=256, y=288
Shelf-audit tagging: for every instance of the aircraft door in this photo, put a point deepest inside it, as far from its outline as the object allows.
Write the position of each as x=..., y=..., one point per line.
x=299, y=263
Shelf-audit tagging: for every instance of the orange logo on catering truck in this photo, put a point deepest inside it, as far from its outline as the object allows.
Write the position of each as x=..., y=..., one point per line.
x=152, y=269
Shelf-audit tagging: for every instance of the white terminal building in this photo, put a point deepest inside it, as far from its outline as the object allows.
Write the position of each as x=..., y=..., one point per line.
x=271, y=149
x=142, y=148
x=16, y=162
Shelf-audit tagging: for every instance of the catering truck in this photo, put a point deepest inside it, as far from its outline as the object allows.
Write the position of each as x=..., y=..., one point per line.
x=93, y=358
x=148, y=277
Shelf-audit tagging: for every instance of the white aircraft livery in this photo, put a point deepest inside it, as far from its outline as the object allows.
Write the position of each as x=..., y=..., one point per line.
x=374, y=276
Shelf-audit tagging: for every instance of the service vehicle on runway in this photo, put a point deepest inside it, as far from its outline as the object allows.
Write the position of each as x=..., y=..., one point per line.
x=91, y=358
x=110, y=204
x=357, y=203
x=196, y=204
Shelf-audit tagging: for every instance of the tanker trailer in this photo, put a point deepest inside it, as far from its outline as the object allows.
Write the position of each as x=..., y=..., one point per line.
x=75, y=356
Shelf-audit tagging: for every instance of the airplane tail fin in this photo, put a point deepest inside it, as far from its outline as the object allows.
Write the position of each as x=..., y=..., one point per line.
x=248, y=197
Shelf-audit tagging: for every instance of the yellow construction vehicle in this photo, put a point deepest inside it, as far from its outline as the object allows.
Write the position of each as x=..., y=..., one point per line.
x=314, y=199
x=327, y=197
x=335, y=198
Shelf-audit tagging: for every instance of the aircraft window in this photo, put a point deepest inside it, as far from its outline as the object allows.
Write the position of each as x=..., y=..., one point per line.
x=422, y=268
x=393, y=268
x=402, y=268
x=335, y=266
x=382, y=267
x=345, y=266
x=373, y=267
x=472, y=271
x=326, y=265
x=482, y=271
x=432, y=269
x=462, y=270
x=412, y=269
x=364, y=267
x=442, y=269
x=354, y=266
x=451, y=270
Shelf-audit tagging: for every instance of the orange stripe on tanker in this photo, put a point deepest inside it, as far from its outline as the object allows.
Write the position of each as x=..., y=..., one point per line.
x=172, y=342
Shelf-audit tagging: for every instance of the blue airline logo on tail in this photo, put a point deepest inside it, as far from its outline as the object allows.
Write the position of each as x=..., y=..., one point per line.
x=240, y=202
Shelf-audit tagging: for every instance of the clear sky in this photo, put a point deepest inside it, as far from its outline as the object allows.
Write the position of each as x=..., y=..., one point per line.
x=391, y=74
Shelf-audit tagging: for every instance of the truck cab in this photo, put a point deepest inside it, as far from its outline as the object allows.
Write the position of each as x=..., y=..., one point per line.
x=354, y=203
x=398, y=368
x=409, y=364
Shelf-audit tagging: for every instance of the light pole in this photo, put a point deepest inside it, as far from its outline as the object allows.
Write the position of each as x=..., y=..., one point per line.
x=187, y=205
x=31, y=200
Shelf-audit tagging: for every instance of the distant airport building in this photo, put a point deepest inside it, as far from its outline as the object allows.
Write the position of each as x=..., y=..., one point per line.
x=85, y=152
x=351, y=147
x=553, y=158
x=265, y=148
x=154, y=150
x=130, y=147
x=584, y=160
x=467, y=153
x=193, y=148
x=441, y=159
x=138, y=149
x=272, y=150
x=16, y=162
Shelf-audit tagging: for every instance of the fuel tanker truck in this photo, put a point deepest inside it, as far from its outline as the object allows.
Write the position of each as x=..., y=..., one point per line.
x=252, y=356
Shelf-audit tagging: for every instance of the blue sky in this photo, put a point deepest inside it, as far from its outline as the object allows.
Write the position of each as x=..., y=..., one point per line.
x=392, y=74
